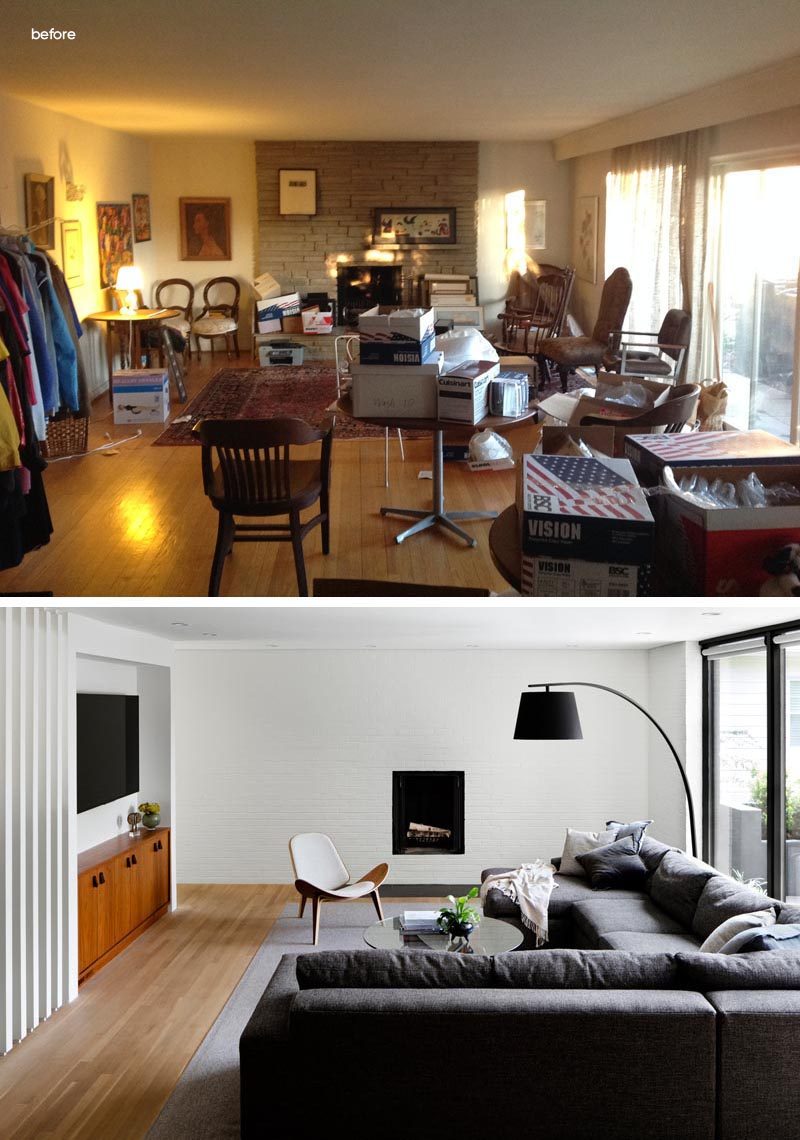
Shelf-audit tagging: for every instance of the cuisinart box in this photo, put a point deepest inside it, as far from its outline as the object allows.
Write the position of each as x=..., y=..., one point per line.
x=140, y=396
x=405, y=392
x=650, y=454
x=590, y=509
x=463, y=392
x=396, y=336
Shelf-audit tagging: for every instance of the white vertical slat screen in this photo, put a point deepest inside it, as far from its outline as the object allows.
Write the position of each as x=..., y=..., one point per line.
x=35, y=883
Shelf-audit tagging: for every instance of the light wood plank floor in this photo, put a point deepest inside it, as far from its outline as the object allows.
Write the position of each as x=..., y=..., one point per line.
x=104, y=1065
x=137, y=523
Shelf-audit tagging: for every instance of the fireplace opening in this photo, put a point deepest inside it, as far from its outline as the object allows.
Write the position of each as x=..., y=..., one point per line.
x=428, y=813
x=361, y=287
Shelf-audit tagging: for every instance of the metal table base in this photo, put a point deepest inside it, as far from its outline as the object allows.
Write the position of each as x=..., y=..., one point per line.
x=437, y=516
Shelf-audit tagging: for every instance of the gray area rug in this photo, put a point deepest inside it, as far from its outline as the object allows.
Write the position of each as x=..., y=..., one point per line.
x=205, y=1102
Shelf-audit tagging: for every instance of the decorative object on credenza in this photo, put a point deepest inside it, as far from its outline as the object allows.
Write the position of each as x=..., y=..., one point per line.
x=552, y=715
x=141, y=217
x=460, y=919
x=297, y=193
x=151, y=815
x=414, y=225
x=72, y=253
x=205, y=229
x=114, y=240
x=134, y=820
x=40, y=210
x=586, y=238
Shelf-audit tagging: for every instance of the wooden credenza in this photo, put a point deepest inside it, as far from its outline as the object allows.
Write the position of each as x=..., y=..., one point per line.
x=123, y=887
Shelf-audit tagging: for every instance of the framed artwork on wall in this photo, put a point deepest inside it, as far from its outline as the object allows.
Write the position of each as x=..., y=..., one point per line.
x=586, y=238
x=141, y=217
x=414, y=225
x=297, y=192
x=114, y=239
x=536, y=223
x=205, y=229
x=72, y=253
x=40, y=210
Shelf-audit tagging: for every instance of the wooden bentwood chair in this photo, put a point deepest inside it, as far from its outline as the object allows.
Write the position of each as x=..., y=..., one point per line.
x=219, y=319
x=185, y=303
x=255, y=476
x=320, y=875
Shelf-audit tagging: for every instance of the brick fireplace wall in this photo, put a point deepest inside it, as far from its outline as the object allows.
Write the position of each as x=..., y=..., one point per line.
x=352, y=179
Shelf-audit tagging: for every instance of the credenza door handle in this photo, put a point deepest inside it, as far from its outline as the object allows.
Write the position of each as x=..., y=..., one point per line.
x=127, y=860
x=133, y=860
x=102, y=878
x=94, y=880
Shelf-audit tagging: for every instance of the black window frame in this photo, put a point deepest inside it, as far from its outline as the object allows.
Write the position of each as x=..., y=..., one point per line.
x=776, y=751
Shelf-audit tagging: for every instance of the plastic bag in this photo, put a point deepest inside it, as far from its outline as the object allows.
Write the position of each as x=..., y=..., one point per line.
x=461, y=345
x=628, y=393
x=488, y=445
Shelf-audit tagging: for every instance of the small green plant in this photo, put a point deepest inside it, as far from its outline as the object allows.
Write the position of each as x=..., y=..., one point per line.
x=759, y=885
x=459, y=913
x=150, y=809
x=758, y=798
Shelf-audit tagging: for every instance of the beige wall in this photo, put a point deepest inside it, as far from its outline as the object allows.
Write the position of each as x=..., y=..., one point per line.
x=111, y=166
x=504, y=167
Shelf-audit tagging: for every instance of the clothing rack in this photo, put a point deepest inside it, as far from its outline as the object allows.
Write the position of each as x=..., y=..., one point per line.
x=19, y=231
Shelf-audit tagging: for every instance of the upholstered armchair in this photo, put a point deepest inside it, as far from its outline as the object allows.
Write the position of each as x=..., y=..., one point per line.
x=571, y=352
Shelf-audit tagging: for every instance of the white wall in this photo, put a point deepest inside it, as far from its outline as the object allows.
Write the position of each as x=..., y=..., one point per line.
x=110, y=164
x=271, y=743
x=502, y=168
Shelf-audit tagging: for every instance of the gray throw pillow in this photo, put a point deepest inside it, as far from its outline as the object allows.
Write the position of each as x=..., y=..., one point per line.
x=615, y=866
x=727, y=930
x=783, y=938
x=788, y=915
x=677, y=885
x=636, y=830
x=652, y=851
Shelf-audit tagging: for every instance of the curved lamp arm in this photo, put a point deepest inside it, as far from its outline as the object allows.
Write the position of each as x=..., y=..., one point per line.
x=656, y=725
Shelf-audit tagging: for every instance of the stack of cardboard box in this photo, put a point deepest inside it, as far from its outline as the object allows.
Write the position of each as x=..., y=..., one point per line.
x=398, y=368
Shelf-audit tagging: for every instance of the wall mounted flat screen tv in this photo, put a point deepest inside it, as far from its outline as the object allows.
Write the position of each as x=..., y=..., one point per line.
x=108, y=748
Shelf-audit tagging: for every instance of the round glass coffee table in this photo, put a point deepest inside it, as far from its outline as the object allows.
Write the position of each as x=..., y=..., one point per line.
x=490, y=936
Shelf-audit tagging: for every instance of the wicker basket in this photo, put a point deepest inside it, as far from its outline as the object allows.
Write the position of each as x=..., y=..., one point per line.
x=67, y=434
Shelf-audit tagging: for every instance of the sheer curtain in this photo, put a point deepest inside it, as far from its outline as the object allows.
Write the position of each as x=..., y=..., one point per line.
x=656, y=227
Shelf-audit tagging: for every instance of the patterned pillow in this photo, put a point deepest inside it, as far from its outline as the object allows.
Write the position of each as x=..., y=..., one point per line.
x=578, y=843
x=734, y=925
x=636, y=829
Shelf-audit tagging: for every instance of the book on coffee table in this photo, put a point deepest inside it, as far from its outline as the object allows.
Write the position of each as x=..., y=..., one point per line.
x=420, y=922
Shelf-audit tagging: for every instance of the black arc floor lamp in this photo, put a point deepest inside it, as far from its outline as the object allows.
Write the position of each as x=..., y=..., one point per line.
x=552, y=715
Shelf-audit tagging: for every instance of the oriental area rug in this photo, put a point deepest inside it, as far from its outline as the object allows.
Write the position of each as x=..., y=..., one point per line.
x=305, y=391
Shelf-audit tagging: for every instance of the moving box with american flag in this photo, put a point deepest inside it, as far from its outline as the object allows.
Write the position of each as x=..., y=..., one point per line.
x=650, y=454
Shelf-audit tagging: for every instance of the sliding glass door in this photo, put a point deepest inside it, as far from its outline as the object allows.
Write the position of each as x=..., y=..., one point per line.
x=790, y=672
x=754, y=228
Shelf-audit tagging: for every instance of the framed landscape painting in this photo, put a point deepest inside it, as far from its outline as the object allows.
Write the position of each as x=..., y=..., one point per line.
x=40, y=210
x=141, y=217
x=421, y=225
x=114, y=239
x=205, y=229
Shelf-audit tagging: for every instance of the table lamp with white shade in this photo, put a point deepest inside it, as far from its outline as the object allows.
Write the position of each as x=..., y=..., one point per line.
x=129, y=279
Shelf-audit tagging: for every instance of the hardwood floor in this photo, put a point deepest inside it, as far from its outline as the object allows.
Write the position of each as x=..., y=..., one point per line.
x=104, y=1065
x=137, y=523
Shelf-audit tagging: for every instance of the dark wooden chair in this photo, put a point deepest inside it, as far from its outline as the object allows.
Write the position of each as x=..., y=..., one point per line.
x=182, y=324
x=527, y=332
x=571, y=352
x=219, y=319
x=255, y=476
x=377, y=588
x=671, y=416
x=658, y=354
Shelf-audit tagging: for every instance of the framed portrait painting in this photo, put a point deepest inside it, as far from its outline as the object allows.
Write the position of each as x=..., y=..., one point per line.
x=205, y=229
x=40, y=210
x=114, y=239
x=414, y=225
x=141, y=217
x=586, y=239
x=72, y=253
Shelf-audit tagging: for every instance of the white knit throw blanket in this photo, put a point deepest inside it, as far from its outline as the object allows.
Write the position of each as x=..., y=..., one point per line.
x=530, y=885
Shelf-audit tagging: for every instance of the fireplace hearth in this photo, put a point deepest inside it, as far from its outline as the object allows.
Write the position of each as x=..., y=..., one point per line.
x=428, y=813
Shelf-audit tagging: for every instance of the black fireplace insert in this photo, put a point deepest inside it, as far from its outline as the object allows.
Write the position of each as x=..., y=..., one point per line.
x=428, y=813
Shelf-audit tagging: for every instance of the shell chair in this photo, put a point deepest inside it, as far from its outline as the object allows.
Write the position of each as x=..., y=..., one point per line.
x=320, y=875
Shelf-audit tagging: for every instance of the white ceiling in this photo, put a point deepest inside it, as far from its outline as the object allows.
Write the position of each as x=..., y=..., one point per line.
x=434, y=625
x=371, y=69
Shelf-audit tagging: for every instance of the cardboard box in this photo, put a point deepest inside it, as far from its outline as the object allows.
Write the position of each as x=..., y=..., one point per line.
x=140, y=396
x=463, y=392
x=570, y=409
x=590, y=509
x=386, y=322
x=555, y=440
x=279, y=314
x=405, y=392
x=394, y=353
x=546, y=577
x=280, y=352
x=715, y=552
x=650, y=454
x=462, y=316
x=315, y=322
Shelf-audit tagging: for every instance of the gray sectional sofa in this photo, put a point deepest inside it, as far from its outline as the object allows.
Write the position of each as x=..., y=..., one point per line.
x=631, y=1032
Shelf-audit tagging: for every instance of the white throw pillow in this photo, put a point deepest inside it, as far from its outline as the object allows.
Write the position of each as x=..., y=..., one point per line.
x=737, y=924
x=578, y=843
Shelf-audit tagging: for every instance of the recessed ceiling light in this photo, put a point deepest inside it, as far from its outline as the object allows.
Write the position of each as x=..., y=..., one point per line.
x=711, y=613
x=472, y=646
x=179, y=624
x=643, y=632
x=370, y=647
x=209, y=635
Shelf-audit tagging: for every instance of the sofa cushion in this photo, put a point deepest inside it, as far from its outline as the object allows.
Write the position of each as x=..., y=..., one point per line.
x=677, y=885
x=652, y=851
x=785, y=939
x=584, y=969
x=722, y=898
x=636, y=830
x=788, y=914
x=615, y=865
x=392, y=969
x=595, y=917
x=578, y=843
x=569, y=890
x=708, y=972
x=637, y=943
x=737, y=924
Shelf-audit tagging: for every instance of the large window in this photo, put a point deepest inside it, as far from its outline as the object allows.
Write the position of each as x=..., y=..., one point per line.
x=752, y=767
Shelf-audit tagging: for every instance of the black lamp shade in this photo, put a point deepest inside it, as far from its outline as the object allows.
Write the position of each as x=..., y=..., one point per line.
x=548, y=715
